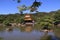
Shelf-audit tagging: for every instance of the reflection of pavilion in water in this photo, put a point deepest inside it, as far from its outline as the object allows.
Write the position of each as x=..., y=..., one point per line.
x=22, y=29
x=26, y=29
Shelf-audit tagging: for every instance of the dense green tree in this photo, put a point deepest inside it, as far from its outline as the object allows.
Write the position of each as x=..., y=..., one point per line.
x=32, y=7
x=40, y=18
x=57, y=16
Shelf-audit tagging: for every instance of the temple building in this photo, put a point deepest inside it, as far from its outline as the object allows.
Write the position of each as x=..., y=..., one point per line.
x=28, y=19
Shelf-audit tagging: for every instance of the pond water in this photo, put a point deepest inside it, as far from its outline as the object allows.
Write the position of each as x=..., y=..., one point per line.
x=22, y=34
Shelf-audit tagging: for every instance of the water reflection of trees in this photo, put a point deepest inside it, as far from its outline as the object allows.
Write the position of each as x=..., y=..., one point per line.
x=57, y=32
x=9, y=28
x=26, y=29
x=1, y=38
x=2, y=28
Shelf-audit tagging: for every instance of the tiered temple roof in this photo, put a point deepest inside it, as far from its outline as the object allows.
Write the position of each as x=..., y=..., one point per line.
x=27, y=17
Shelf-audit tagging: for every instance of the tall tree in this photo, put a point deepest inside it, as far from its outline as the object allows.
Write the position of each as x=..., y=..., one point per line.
x=32, y=8
x=57, y=15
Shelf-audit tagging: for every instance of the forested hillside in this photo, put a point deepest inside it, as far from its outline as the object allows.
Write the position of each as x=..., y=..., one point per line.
x=41, y=18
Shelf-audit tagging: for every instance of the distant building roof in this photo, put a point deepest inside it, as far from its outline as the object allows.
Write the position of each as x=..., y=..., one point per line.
x=27, y=17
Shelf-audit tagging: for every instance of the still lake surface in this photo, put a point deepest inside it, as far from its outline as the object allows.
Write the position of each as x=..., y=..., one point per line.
x=17, y=34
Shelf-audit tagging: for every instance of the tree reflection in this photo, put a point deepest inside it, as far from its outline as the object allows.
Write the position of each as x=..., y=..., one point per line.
x=1, y=38
x=26, y=29
x=9, y=29
x=2, y=28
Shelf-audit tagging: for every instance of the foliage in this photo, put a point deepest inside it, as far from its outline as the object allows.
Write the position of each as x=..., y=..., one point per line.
x=32, y=7
x=2, y=18
x=57, y=16
x=6, y=22
x=23, y=8
x=36, y=4
x=41, y=18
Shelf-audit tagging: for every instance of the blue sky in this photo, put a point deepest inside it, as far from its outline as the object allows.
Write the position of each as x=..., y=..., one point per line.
x=10, y=6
